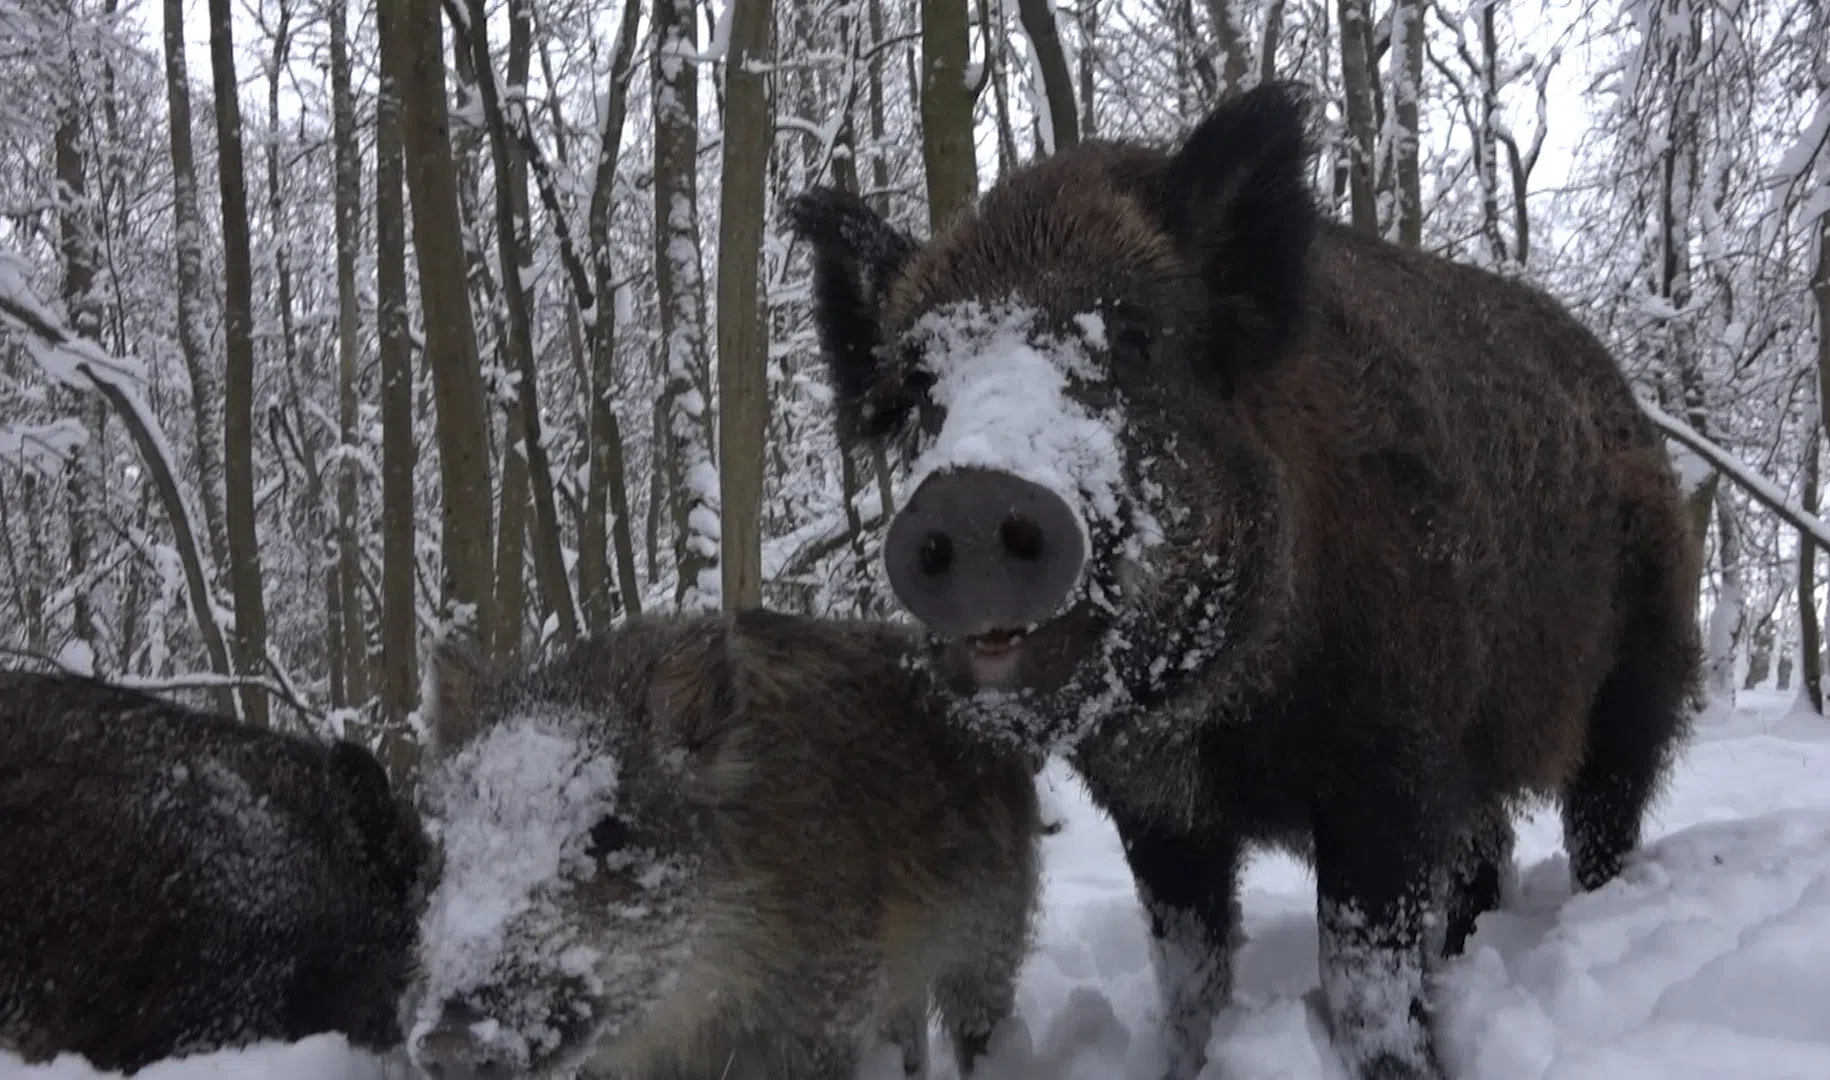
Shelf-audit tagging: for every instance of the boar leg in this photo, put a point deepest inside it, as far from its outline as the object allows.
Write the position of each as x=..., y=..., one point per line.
x=1377, y=853
x=907, y=1030
x=1481, y=863
x=1634, y=726
x=978, y=995
x=974, y=1001
x=1187, y=884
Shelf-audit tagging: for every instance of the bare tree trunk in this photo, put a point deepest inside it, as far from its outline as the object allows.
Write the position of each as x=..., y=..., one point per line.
x=399, y=454
x=511, y=549
x=880, y=200
x=1057, y=85
x=76, y=244
x=1820, y=291
x=608, y=483
x=1235, y=55
x=291, y=425
x=24, y=574
x=1357, y=88
x=1403, y=135
x=1729, y=614
x=946, y=112
x=134, y=603
x=845, y=175
x=335, y=599
x=238, y=386
x=1089, y=36
x=1760, y=638
x=513, y=247
x=1486, y=139
x=658, y=467
x=187, y=242
x=680, y=285
x=348, y=226
x=1000, y=109
x=1271, y=40
x=36, y=562
x=1673, y=49
x=451, y=346
x=1810, y=640
x=743, y=325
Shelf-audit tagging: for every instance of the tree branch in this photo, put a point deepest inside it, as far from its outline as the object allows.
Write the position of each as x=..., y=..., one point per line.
x=1759, y=488
x=515, y=120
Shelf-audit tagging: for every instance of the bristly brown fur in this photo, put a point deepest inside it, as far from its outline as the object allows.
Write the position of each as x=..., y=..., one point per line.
x=1447, y=556
x=855, y=852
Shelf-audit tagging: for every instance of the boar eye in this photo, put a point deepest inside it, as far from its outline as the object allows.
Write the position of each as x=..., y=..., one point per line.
x=609, y=836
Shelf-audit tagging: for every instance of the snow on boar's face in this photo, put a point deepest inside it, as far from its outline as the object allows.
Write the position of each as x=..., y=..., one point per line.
x=1062, y=365
x=571, y=828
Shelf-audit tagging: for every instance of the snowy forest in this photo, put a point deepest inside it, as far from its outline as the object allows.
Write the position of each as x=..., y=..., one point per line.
x=326, y=327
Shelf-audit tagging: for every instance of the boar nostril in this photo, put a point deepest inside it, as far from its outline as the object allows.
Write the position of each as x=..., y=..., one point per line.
x=936, y=554
x=1021, y=537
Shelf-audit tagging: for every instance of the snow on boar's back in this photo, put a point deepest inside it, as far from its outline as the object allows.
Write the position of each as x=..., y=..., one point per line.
x=1283, y=533
x=701, y=846
x=174, y=882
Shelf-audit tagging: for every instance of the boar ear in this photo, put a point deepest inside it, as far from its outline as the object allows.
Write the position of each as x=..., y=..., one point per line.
x=856, y=256
x=391, y=837
x=692, y=707
x=1236, y=199
x=455, y=676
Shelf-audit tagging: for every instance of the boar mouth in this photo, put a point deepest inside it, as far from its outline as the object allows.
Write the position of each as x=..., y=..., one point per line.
x=996, y=642
x=994, y=656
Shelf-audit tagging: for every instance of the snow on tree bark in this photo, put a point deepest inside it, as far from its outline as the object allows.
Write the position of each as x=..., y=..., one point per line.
x=680, y=285
x=1401, y=138
x=187, y=245
x=399, y=674
x=76, y=233
x=607, y=484
x=946, y=112
x=1357, y=84
x=348, y=212
x=513, y=247
x=462, y=420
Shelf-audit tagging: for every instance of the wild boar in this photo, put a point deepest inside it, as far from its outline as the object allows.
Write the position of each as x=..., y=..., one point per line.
x=1282, y=533
x=741, y=845
x=174, y=882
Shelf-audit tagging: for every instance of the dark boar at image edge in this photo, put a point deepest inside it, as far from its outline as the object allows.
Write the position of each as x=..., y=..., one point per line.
x=177, y=882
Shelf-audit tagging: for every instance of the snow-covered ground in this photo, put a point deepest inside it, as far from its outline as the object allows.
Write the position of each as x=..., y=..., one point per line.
x=1709, y=957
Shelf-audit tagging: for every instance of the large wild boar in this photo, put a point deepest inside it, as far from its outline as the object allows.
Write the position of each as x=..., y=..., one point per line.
x=1283, y=533
x=737, y=846
x=174, y=882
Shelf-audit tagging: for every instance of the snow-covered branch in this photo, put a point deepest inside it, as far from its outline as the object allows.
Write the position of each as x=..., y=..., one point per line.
x=1762, y=490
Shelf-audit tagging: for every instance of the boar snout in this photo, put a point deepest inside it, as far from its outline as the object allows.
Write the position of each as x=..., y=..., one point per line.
x=977, y=551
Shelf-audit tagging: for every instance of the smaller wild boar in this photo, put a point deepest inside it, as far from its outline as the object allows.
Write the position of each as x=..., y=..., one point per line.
x=742, y=846
x=174, y=882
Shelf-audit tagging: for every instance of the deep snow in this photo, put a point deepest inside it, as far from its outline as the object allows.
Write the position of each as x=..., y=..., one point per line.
x=1709, y=957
